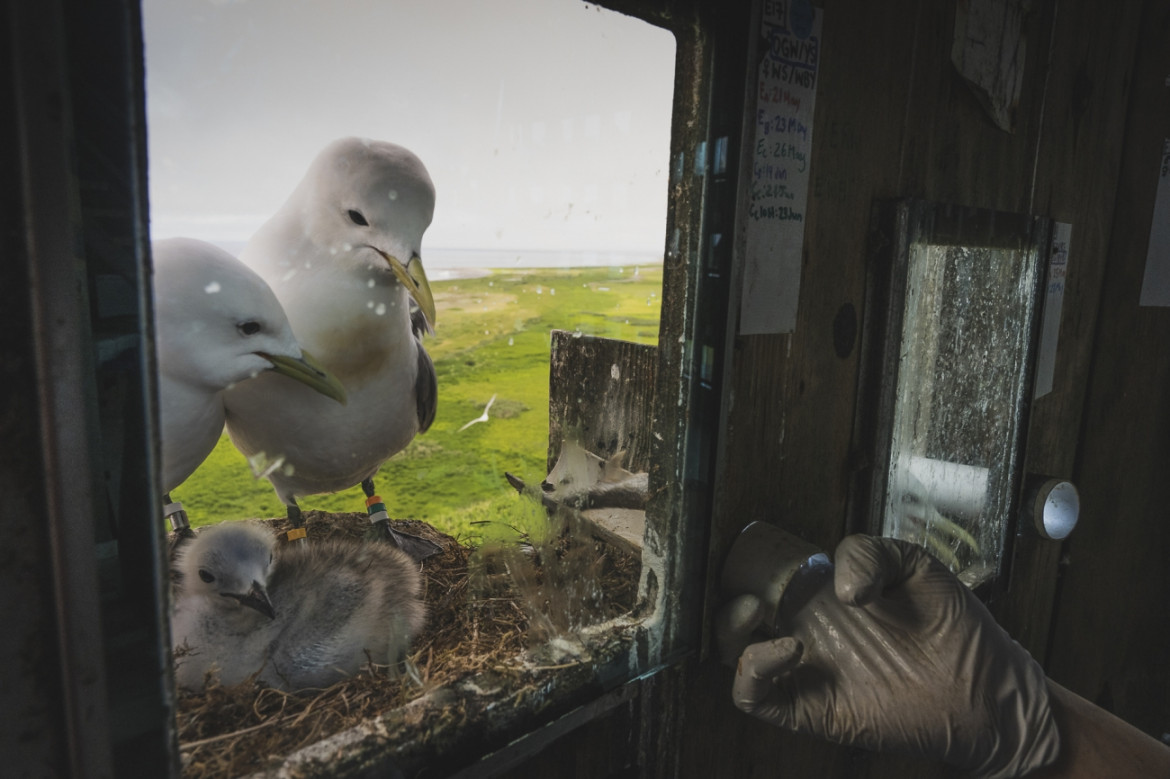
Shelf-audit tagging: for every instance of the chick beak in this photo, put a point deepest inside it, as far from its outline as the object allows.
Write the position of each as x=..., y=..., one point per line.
x=256, y=598
x=414, y=278
x=308, y=371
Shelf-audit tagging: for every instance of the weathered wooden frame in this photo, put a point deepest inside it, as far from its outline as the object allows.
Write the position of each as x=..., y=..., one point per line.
x=97, y=152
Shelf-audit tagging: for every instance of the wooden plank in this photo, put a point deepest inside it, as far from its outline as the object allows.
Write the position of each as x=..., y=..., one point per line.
x=1112, y=626
x=1091, y=66
x=601, y=395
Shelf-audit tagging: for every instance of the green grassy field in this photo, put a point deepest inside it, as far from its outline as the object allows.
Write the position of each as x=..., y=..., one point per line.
x=492, y=338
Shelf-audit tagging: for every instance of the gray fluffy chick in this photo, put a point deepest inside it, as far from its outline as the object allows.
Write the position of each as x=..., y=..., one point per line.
x=301, y=616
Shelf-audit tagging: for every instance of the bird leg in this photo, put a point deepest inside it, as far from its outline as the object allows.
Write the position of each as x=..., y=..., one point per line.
x=417, y=547
x=297, y=532
x=177, y=517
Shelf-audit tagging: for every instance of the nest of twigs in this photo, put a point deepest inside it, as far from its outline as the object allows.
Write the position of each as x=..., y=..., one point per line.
x=475, y=623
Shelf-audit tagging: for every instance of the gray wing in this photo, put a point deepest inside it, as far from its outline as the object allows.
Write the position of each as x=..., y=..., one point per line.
x=426, y=386
x=426, y=389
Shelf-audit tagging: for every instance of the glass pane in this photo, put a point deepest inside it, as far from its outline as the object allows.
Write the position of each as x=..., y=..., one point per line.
x=551, y=195
x=961, y=372
x=545, y=128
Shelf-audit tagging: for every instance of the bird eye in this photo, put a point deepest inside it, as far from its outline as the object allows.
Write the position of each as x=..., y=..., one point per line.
x=206, y=576
x=248, y=328
x=357, y=218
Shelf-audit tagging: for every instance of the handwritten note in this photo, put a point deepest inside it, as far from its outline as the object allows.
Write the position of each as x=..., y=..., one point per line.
x=1156, y=282
x=785, y=97
x=1053, y=303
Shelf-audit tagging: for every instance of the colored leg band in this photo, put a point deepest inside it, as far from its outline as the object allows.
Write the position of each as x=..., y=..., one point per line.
x=377, y=509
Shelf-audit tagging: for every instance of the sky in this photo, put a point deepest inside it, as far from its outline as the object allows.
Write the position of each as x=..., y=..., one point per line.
x=545, y=124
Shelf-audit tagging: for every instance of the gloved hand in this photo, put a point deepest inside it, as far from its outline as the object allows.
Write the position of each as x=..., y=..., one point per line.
x=890, y=652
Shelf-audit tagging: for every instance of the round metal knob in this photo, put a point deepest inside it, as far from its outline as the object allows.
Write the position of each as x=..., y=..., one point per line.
x=1055, y=508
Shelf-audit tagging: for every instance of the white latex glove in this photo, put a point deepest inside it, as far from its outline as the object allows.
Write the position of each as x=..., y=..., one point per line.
x=891, y=652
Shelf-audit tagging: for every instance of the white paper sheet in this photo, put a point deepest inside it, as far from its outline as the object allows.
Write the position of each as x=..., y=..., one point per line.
x=782, y=151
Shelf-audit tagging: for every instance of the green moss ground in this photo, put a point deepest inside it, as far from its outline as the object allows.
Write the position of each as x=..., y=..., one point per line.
x=492, y=338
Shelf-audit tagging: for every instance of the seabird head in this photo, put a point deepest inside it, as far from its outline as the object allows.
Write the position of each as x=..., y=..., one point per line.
x=366, y=204
x=219, y=323
x=229, y=564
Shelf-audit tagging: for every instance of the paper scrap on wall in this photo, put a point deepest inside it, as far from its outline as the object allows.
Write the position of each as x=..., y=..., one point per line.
x=1053, y=303
x=781, y=155
x=1156, y=283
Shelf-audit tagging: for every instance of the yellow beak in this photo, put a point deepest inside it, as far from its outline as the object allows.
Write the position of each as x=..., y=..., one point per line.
x=414, y=278
x=308, y=371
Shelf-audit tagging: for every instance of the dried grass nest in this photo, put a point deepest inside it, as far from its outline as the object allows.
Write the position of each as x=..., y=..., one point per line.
x=478, y=620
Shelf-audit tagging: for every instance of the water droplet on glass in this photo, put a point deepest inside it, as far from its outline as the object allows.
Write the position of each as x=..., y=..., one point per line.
x=369, y=304
x=370, y=283
x=511, y=341
x=212, y=288
x=380, y=309
x=392, y=194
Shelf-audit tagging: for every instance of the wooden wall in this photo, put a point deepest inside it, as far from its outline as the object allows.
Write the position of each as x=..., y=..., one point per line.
x=1111, y=641
x=893, y=119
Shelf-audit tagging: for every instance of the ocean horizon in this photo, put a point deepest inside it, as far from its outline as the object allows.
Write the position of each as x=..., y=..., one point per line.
x=444, y=264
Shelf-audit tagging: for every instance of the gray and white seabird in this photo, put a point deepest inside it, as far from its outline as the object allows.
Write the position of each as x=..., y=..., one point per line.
x=343, y=257
x=217, y=323
x=301, y=616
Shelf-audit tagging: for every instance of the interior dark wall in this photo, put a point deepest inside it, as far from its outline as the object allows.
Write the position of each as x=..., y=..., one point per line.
x=1111, y=641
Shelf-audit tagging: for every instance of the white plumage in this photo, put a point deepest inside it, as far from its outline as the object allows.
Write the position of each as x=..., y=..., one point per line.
x=297, y=616
x=217, y=323
x=342, y=256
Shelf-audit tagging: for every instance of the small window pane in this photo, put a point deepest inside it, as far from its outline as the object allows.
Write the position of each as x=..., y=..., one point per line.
x=958, y=351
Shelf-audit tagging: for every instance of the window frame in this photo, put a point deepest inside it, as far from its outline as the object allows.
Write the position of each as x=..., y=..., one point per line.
x=100, y=153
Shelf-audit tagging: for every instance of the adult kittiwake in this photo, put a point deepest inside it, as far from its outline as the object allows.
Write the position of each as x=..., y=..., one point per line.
x=343, y=257
x=217, y=324
x=296, y=616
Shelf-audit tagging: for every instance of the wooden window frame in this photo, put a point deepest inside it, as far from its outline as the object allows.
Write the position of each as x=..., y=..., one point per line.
x=78, y=85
